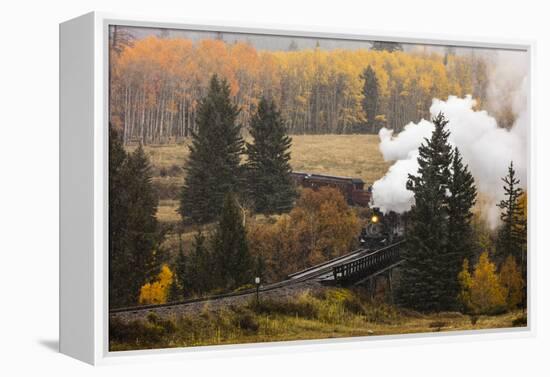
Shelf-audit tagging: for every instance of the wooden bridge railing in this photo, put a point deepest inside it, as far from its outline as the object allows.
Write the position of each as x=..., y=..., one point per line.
x=368, y=264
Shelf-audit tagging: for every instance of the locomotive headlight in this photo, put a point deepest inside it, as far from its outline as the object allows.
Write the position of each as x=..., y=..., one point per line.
x=374, y=219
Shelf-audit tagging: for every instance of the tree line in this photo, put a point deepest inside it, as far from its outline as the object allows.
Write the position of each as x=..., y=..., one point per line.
x=156, y=85
x=441, y=243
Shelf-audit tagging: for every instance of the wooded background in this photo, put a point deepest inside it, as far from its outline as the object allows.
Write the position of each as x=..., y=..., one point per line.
x=156, y=83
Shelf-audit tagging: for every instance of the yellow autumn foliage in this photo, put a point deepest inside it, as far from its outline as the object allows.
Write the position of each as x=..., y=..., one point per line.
x=482, y=292
x=156, y=292
x=512, y=282
x=157, y=83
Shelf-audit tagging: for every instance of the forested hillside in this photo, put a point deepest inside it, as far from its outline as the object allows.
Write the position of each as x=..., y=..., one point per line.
x=156, y=84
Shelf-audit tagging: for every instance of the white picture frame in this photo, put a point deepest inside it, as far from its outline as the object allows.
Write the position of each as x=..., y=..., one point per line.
x=84, y=188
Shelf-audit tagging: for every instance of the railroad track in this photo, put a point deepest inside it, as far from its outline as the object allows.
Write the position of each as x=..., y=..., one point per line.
x=323, y=271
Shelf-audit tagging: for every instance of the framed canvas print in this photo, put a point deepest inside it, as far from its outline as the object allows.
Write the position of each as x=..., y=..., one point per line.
x=225, y=186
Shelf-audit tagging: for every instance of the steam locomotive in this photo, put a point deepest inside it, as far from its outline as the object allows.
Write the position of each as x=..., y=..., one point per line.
x=382, y=229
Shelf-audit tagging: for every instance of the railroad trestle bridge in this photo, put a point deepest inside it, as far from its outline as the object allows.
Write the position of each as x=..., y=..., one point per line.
x=355, y=268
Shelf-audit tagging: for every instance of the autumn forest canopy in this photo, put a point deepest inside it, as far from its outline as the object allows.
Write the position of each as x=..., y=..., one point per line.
x=156, y=85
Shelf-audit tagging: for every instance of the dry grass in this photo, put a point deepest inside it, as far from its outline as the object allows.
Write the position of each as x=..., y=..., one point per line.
x=340, y=313
x=166, y=155
x=167, y=211
x=344, y=155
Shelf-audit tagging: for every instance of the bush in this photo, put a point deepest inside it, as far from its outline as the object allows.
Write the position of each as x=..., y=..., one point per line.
x=438, y=325
x=520, y=321
x=246, y=320
x=167, y=187
x=174, y=171
x=381, y=313
x=304, y=306
x=138, y=332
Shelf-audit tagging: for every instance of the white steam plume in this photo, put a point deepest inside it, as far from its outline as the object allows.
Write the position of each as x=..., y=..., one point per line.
x=486, y=148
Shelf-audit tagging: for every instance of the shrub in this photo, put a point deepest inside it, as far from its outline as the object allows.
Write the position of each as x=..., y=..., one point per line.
x=520, y=321
x=381, y=313
x=246, y=320
x=138, y=332
x=174, y=171
x=438, y=325
x=304, y=306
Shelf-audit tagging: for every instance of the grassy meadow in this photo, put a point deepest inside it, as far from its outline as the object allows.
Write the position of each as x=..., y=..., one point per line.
x=335, y=313
x=344, y=155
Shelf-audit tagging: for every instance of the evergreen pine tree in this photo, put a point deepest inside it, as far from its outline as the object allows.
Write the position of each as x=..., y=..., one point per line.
x=231, y=260
x=268, y=166
x=198, y=270
x=143, y=239
x=386, y=46
x=118, y=213
x=512, y=235
x=133, y=237
x=421, y=285
x=371, y=97
x=179, y=285
x=460, y=245
x=213, y=167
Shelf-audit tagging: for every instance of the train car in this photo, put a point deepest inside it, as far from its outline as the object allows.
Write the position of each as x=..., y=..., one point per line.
x=353, y=189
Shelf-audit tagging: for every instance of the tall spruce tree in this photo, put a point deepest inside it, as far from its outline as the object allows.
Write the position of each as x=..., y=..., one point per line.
x=371, y=97
x=422, y=285
x=143, y=236
x=214, y=156
x=118, y=213
x=268, y=166
x=179, y=285
x=199, y=273
x=512, y=234
x=460, y=244
x=133, y=237
x=232, y=263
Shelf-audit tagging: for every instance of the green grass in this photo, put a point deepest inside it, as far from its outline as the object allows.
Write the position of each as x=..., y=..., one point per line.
x=336, y=313
x=344, y=155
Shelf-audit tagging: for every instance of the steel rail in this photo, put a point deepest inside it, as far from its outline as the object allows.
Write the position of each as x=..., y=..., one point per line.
x=313, y=272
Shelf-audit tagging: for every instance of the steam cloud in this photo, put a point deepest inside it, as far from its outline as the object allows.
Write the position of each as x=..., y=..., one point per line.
x=485, y=147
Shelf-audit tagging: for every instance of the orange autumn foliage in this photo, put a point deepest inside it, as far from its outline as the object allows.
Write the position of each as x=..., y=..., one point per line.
x=321, y=226
x=157, y=83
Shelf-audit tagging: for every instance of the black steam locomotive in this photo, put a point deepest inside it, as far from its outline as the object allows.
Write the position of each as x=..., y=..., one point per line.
x=382, y=229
